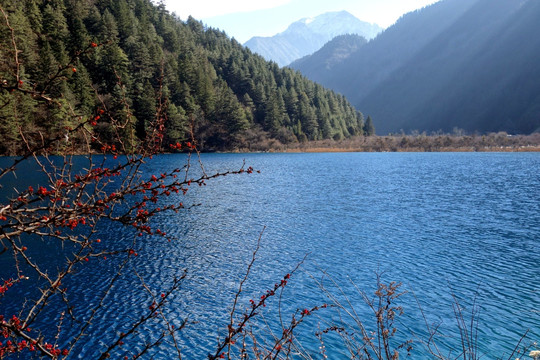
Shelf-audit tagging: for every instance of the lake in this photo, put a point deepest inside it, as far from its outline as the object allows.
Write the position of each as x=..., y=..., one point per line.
x=444, y=224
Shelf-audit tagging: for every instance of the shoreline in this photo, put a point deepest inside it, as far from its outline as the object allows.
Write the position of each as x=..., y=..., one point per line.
x=314, y=150
x=343, y=150
x=495, y=142
x=408, y=150
x=499, y=142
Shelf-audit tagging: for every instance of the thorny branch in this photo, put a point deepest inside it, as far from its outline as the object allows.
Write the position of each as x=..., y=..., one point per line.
x=67, y=211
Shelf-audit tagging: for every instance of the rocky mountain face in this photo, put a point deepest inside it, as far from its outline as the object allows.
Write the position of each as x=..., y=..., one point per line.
x=308, y=35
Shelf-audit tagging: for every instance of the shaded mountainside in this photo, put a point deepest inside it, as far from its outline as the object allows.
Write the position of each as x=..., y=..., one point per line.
x=458, y=63
x=374, y=62
x=141, y=54
x=306, y=36
x=331, y=54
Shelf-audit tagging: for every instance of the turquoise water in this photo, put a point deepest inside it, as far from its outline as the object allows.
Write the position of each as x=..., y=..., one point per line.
x=463, y=224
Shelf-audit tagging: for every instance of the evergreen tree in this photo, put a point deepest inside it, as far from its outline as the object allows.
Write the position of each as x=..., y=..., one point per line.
x=369, y=128
x=177, y=125
x=56, y=29
x=34, y=15
x=274, y=113
x=144, y=105
x=308, y=118
x=81, y=88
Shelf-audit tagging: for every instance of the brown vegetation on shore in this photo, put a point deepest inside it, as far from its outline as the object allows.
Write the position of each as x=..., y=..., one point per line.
x=494, y=142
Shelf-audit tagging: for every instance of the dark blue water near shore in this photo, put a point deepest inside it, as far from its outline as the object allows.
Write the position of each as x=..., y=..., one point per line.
x=467, y=224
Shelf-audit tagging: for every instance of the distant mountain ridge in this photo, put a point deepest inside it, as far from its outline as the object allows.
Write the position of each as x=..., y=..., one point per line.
x=470, y=64
x=308, y=35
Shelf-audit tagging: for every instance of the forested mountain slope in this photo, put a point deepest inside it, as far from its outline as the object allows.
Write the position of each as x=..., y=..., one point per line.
x=131, y=57
x=470, y=64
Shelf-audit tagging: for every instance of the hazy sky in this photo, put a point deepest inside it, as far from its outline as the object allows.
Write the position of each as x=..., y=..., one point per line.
x=243, y=19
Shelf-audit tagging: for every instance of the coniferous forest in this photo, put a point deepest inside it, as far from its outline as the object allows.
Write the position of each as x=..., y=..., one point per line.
x=105, y=59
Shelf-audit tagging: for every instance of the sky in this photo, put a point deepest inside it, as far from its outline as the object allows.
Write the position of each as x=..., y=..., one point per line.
x=243, y=19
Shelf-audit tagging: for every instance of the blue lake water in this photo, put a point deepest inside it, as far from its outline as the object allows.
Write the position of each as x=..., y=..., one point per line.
x=466, y=224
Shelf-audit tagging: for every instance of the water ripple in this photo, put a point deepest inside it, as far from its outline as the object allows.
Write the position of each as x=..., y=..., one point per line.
x=443, y=224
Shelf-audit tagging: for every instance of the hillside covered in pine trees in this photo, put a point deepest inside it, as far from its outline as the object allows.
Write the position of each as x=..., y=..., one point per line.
x=127, y=58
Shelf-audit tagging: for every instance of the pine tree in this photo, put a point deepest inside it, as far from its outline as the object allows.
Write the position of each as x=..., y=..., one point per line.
x=144, y=106
x=308, y=118
x=274, y=113
x=81, y=88
x=177, y=125
x=369, y=128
